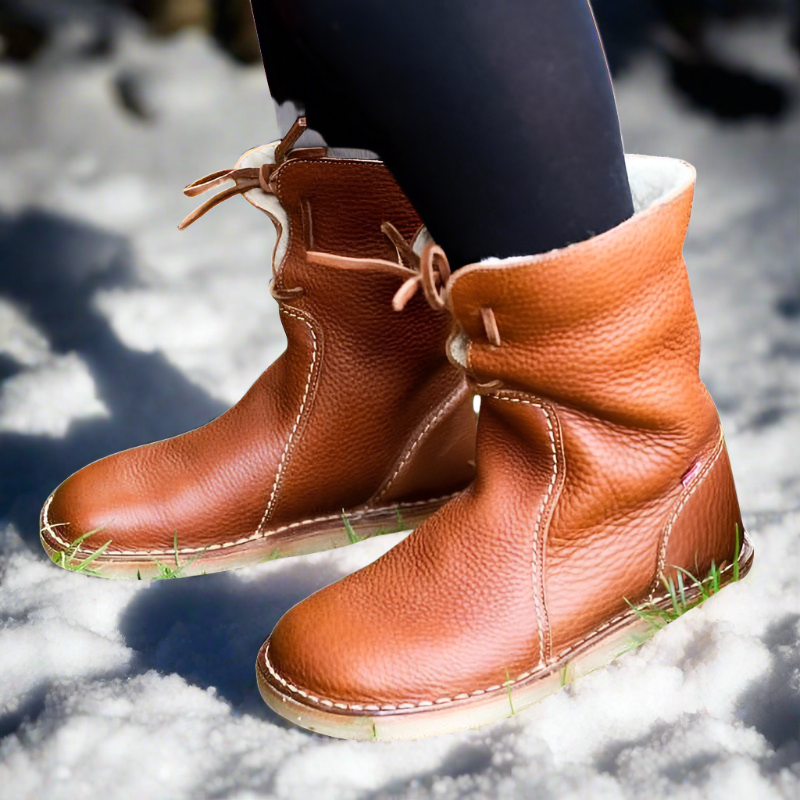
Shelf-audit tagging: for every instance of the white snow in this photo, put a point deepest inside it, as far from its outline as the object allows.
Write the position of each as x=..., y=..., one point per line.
x=115, y=329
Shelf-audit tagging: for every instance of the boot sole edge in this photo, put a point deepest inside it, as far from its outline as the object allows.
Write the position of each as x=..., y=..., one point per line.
x=317, y=535
x=596, y=651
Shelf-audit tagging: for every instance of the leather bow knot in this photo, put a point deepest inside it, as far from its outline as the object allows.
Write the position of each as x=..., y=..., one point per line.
x=244, y=178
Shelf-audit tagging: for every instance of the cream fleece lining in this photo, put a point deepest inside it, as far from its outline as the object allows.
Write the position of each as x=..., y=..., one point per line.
x=268, y=203
x=653, y=180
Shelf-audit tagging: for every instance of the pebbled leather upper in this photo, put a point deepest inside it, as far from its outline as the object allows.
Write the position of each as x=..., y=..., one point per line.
x=329, y=424
x=600, y=468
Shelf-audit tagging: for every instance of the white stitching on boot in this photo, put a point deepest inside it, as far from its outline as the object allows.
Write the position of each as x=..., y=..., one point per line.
x=540, y=612
x=542, y=507
x=223, y=545
x=687, y=493
x=452, y=401
x=303, y=317
x=444, y=700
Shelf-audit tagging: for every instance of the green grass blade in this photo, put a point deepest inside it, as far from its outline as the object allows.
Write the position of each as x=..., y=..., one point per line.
x=352, y=536
x=698, y=583
x=681, y=601
x=681, y=587
x=162, y=570
x=97, y=553
x=508, y=689
x=652, y=618
x=715, y=575
x=673, y=597
x=76, y=543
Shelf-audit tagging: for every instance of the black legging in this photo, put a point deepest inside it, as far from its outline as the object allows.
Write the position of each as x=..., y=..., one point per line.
x=496, y=117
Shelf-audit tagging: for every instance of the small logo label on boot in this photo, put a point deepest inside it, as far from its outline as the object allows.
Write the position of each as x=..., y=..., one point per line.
x=690, y=475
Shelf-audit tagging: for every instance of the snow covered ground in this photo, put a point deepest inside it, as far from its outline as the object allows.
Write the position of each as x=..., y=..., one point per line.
x=115, y=329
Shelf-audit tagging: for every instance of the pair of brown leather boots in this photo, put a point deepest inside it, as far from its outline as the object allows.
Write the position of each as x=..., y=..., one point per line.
x=597, y=477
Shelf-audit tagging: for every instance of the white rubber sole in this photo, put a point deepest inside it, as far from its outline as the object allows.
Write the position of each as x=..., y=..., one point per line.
x=601, y=648
x=311, y=536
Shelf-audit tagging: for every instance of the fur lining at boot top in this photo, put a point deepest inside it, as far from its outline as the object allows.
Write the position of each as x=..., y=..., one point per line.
x=653, y=180
x=422, y=239
x=268, y=203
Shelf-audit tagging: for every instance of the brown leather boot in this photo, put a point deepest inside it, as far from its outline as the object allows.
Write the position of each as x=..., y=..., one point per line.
x=602, y=471
x=362, y=417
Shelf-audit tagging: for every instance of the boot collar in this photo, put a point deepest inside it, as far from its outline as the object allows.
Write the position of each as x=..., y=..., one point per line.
x=480, y=294
x=654, y=181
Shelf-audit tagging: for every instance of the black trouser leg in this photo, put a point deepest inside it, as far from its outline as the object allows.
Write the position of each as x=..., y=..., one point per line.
x=496, y=117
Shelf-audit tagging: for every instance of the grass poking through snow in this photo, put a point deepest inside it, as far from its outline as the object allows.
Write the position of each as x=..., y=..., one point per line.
x=167, y=572
x=685, y=593
x=508, y=689
x=67, y=560
x=354, y=538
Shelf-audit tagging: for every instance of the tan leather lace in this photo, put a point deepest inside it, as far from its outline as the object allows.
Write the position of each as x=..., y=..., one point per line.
x=429, y=270
x=490, y=326
x=244, y=178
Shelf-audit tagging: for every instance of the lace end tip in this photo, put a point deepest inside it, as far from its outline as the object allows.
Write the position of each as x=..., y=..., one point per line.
x=195, y=191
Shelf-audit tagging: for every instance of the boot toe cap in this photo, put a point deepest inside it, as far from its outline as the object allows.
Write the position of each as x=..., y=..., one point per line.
x=318, y=654
x=82, y=513
x=109, y=502
x=352, y=648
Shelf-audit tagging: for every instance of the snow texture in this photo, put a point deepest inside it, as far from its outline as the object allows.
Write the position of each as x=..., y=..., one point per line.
x=116, y=330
